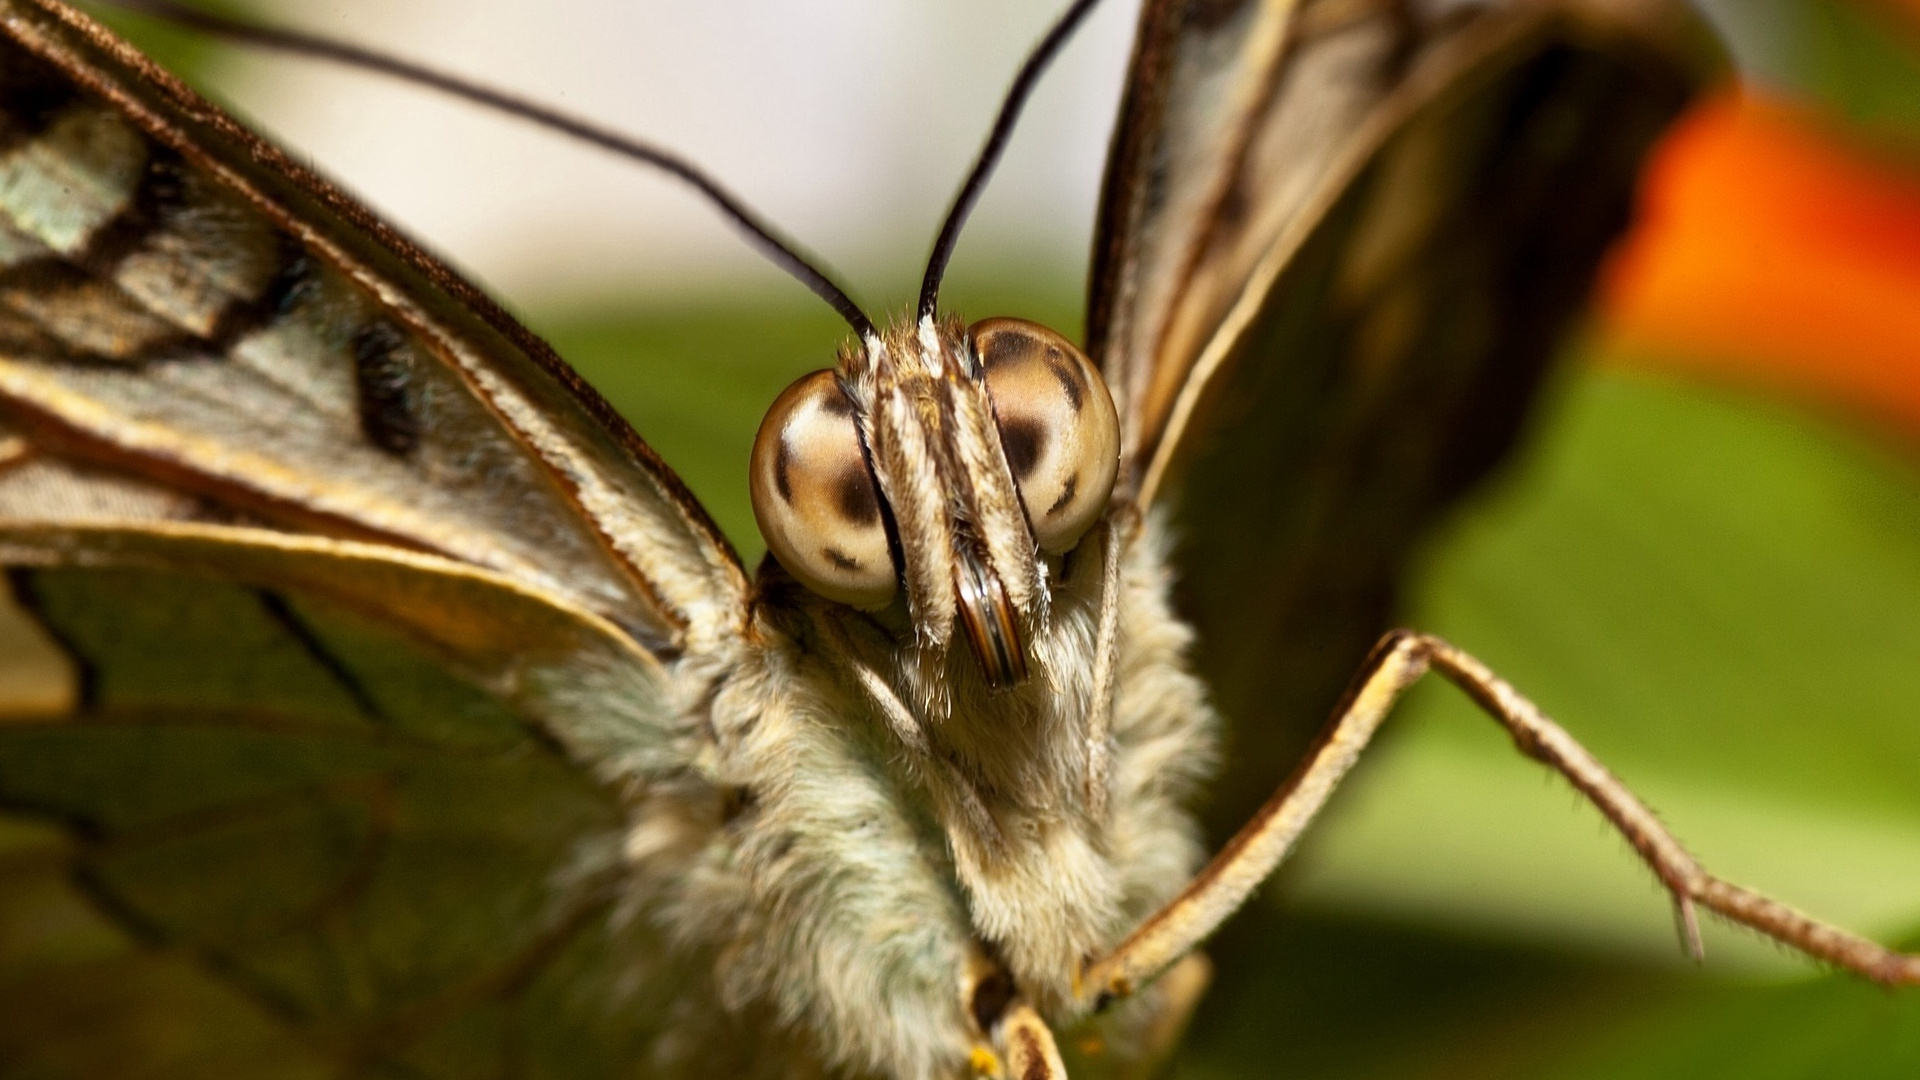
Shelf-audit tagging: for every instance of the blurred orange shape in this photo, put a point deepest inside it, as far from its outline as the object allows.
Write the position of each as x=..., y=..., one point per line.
x=1769, y=248
x=1906, y=7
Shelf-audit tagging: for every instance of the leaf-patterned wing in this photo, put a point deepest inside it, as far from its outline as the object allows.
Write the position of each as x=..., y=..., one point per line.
x=310, y=808
x=1345, y=237
x=182, y=303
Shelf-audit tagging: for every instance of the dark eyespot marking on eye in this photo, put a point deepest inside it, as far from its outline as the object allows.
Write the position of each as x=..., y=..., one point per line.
x=853, y=496
x=1002, y=348
x=1066, y=496
x=385, y=383
x=814, y=498
x=836, y=405
x=782, y=461
x=1069, y=378
x=1022, y=440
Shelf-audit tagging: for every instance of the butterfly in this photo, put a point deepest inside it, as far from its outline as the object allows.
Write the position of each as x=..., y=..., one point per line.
x=409, y=717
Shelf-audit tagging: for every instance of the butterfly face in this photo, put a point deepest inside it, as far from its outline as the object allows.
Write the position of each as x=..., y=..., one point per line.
x=945, y=462
x=418, y=720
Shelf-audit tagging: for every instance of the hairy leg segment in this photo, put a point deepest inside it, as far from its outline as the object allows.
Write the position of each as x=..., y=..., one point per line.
x=1395, y=665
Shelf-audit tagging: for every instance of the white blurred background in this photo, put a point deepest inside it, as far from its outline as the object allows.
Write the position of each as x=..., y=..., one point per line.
x=848, y=122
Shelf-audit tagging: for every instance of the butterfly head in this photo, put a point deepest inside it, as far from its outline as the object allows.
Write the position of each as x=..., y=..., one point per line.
x=945, y=462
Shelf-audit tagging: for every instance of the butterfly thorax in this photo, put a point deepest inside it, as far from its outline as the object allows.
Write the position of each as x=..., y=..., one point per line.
x=1031, y=778
x=968, y=806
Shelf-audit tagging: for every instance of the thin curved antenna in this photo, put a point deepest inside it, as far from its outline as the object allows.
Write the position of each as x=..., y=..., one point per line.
x=996, y=146
x=780, y=251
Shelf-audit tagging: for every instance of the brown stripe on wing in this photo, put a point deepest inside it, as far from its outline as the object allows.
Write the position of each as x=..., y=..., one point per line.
x=180, y=247
x=295, y=277
x=384, y=381
x=118, y=254
x=181, y=270
x=41, y=479
x=59, y=310
x=86, y=320
x=257, y=282
x=120, y=250
x=156, y=324
x=158, y=197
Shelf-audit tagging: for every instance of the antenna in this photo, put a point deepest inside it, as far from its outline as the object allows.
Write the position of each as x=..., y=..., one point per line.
x=782, y=252
x=996, y=146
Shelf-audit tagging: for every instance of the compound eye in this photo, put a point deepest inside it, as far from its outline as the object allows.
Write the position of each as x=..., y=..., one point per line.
x=1057, y=426
x=814, y=498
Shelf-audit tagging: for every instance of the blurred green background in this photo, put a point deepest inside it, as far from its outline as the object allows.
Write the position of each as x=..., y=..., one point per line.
x=1716, y=586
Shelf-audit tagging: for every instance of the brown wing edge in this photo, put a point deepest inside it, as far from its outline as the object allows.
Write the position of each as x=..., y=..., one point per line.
x=1128, y=190
x=186, y=121
x=1276, y=678
x=1647, y=35
x=497, y=623
x=1141, y=105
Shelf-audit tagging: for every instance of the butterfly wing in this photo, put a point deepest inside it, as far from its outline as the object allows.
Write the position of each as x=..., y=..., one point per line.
x=184, y=303
x=305, y=807
x=339, y=608
x=1342, y=242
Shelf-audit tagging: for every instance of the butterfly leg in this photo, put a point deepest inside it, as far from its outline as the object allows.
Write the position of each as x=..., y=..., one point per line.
x=1026, y=1048
x=1396, y=664
x=1117, y=532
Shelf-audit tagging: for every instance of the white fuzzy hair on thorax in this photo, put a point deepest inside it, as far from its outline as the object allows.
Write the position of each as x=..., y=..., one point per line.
x=829, y=890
